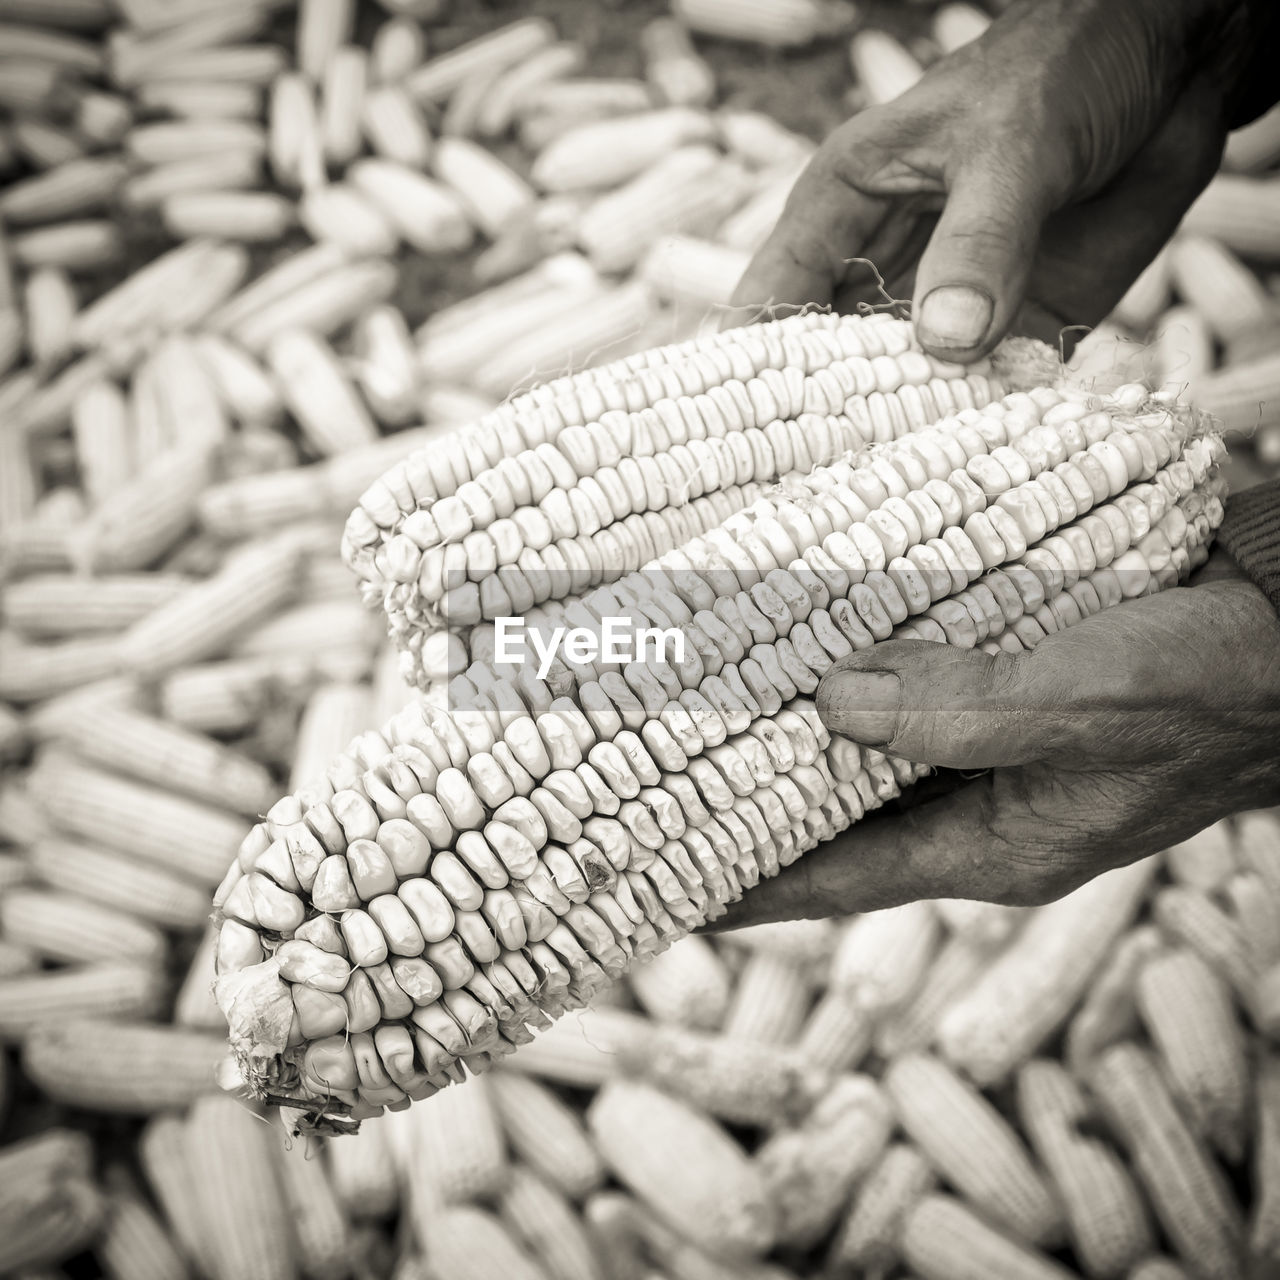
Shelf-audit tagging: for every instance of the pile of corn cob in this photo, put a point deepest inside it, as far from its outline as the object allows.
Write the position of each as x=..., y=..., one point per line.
x=180, y=643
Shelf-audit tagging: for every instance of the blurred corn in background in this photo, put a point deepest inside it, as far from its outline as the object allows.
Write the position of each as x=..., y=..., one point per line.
x=251, y=255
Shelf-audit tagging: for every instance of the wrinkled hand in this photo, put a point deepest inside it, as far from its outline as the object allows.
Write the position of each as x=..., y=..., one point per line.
x=1021, y=185
x=1108, y=741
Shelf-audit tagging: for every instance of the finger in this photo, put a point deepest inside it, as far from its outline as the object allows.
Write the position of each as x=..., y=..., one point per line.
x=827, y=219
x=942, y=849
x=962, y=708
x=973, y=274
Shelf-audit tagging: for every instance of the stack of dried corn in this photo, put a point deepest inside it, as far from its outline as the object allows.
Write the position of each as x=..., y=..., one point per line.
x=179, y=642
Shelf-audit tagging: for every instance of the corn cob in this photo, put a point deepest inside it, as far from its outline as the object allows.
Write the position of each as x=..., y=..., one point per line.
x=1242, y=396
x=1257, y=838
x=955, y=25
x=202, y=99
x=688, y=984
x=460, y=1142
x=77, y=187
x=1109, y=1011
x=546, y=1134
x=1192, y=918
x=322, y=1232
x=21, y=819
x=692, y=189
x=882, y=67
x=1033, y=986
x=1106, y=1218
x=74, y=15
x=338, y=214
x=687, y=1169
x=1256, y=908
x=1217, y=284
x=296, y=145
x=1185, y=1188
x=253, y=216
x=143, y=822
x=769, y=1001
x=837, y=1033
x=1264, y=1226
x=194, y=1005
x=678, y=74
x=492, y=193
x=554, y=109
x=171, y=140
x=49, y=301
x=398, y=47
x=122, y=989
x=363, y=1174
x=972, y=1146
x=395, y=126
x=884, y=956
x=1151, y=293
x=246, y=1220
x=47, y=409
x=944, y=1240
x=787, y=24
x=17, y=483
x=810, y=1170
x=103, y=118
x=15, y=960
x=343, y=623
x=323, y=27
x=100, y=430
x=386, y=367
x=1255, y=146
x=1241, y=212
x=470, y=1243
x=171, y=1169
x=245, y=64
x=868, y=1236
x=43, y=145
x=612, y=926
x=31, y=672
x=1157, y=1268
x=318, y=394
x=498, y=106
x=428, y=216
x=230, y=170
x=606, y=153
x=481, y=58
x=135, y=1244
x=134, y=52
x=1206, y=861
x=537, y=1214
x=322, y=305
x=50, y=1208
x=72, y=929
x=691, y=272
x=246, y=390
x=1187, y=1009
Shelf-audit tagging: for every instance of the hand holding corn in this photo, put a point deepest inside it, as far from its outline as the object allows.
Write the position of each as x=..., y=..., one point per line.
x=1105, y=743
x=1029, y=176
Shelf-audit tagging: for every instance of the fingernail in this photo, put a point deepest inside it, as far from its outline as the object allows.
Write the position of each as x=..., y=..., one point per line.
x=954, y=315
x=862, y=705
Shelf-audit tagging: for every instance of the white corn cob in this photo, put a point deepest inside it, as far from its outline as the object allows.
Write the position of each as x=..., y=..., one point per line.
x=147, y=892
x=783, y=24
x=75, y=245
x=253, y=216
x=344, y=623
x=321, y=1229
x=546, y=1133
x=1264, y=1226
x=70, y=189
x=505, y=93
x=51, y=605
x=341, y=103
x=121, y=1067
x=247, y=65
x=1257, y=839
x=246, y=1219
x=399, y=46
x=246, y=390
x=135, y=1244
x=334, y=714
x=1109, y=1011
x=171, y=1169
x=1106, y=1217
x=1187, y=1010
x=363, y=1174
x=883, y=956
x=1256, y=906
x=1149, y=294
x=972, y=1146
x=340, y=215
x=427, y=214
x=1032, y=987
x=124, y=989
x=687, y=984
x=554, y=108
x=1242, y=396
x=71, y=929
x=50, y=1206
x=678, y=74
x=318, y=394
x=882, y=66
x=493, y=194
x=145, y=822
x=684, y=1166
x=395, y=126
x=692, y=189
x=276, y=285
x=49, y=302
x=458, y=1143
x=171, y=140
x=323, y=26
x=1206, y=860
x=385, y=364
x=869, y=1235
x=470, y=1243
x=769, y=1001
x=481, y=58
x=194, y=1005
x=1254, y=147
x=605, y=153
x=32, y=672
x=1212, y=279
x=100, y=429
x=811, y=1170
x=1157, y=1268
x=955, y=25
x=697, y=273
x=203, y=99
x=943, y=1240
x=538, y=1214
x=1185, y=1188
x=837, y=1033
x=1241, y=212
x=135, y=53
x=44, y=146
x=1191, y=917
x=229, y=170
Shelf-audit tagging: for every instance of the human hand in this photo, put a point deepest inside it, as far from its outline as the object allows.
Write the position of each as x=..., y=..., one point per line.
x=1021, y=185
x=1107, y=742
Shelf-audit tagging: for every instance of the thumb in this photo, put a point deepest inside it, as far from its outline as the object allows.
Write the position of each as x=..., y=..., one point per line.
x=973, y=274
x=939, y=705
